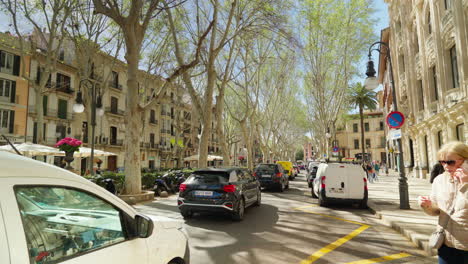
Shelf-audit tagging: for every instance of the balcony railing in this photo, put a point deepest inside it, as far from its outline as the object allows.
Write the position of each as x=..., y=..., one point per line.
x=52, y=113
x=114, y=111
x=153, y=121
x=116, y=142
x=115, y=85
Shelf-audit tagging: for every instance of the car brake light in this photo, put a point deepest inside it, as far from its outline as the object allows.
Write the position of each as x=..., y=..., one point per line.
x=365, y=183
x=229, y=188
x=322, y=180
x=278, y=174
x=255, y=174
x=182, y=187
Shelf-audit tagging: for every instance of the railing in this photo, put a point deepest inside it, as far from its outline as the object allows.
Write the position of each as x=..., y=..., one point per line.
x=166, y=131
x=49, y=112
x=115, y=85
x=116, y=142
x=114, y=111
x=153, y=121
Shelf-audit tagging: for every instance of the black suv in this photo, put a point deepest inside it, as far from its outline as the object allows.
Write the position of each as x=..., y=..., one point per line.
x=228, y=190
x=272, y=175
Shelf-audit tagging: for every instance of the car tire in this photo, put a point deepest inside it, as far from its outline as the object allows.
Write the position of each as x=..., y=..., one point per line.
x=287, y=186
x=313, y=193
x=238, y=214
x=281, y=187
x=186, y=215
x=322, y=201
x=259, y=198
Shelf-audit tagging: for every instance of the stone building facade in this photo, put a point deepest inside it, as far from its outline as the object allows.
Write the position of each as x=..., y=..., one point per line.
x=428, y=40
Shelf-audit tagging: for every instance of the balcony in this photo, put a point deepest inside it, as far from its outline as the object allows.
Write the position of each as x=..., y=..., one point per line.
x=116, y=142
x=52, y=113
x=153, y=121
x=430, y=46
x=114, y=111
x=115, y=85
x=60, y=87
x=144, y=145
x=165, y=131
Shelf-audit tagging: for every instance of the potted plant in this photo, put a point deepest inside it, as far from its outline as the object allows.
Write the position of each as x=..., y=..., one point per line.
x=69, y=145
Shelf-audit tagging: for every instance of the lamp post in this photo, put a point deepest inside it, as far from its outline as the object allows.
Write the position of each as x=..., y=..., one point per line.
x=96, y=107
x=371, y=83
x=328, y=135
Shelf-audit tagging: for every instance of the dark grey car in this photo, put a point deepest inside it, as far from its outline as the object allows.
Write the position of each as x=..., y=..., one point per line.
x=272, y=175
x=221, y=190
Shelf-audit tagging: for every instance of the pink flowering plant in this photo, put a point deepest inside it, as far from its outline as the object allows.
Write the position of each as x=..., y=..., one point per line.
x=69, y=144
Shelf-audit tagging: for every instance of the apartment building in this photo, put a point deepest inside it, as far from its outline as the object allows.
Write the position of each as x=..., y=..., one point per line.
x=428, y=40
x=13, y=90
x=348, y=137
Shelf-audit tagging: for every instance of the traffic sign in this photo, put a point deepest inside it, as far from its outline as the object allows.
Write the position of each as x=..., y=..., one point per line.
x=335, y=149
x=395, y=119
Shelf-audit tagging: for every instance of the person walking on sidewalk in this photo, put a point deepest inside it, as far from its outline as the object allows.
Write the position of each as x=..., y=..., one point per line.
x=376, y=171
x=449, y=201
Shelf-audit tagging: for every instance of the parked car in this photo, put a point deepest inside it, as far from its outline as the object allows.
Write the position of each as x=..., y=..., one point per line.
x=271, y=175
x=340, y=183
x=219, y=190
x=312, y=174
x=288, y=168
x=296, y=170
x=50, y=215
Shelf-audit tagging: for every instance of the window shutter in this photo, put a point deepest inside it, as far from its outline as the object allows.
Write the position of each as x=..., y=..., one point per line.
x=16, y=65
x=13, y=92
x=12, y=122
x=2, y=59
x=38, y=75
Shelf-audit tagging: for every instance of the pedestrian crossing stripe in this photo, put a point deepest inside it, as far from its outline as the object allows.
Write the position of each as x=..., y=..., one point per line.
x=381, y=259
x=332, y=246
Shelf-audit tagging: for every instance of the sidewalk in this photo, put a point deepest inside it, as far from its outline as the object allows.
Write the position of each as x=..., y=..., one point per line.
x=384, y=202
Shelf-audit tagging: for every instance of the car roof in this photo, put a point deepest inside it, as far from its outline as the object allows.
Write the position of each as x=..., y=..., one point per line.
x=228, y=170
x=14, y=165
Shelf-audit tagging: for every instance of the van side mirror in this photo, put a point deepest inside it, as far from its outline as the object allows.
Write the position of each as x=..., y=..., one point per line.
x=144, y=226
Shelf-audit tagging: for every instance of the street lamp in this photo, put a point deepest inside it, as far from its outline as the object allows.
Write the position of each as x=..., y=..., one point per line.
x=96, y=107
x=328, y=135
x=371, y=83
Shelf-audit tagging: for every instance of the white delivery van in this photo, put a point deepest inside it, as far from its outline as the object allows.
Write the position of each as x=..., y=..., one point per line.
x=340, y=183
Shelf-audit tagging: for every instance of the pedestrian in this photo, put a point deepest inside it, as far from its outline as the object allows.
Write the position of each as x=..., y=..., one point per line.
x=370, y=176
x=437, y=169
x=376, y=171
x=449, y=201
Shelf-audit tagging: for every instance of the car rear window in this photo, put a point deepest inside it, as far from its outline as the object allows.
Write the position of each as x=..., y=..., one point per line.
x=266, y=167
x=208, y=177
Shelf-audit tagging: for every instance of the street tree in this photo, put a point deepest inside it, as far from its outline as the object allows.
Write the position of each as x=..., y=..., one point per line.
x=362, y=98
x=45, y=45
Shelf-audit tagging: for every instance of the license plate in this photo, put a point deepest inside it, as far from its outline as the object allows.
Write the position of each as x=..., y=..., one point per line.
x=336, y=190
x=203, y=193
x=266, y=176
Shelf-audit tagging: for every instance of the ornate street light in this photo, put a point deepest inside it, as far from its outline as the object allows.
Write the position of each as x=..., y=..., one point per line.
x=96, y=107
x=371, y=83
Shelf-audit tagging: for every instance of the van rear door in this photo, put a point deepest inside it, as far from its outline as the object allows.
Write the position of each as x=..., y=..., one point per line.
x=336, y=181
x=355, y=181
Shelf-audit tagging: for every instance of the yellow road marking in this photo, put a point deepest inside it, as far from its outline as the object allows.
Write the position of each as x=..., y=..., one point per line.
x=329, y=216
x=332, y=246
x=381, y=259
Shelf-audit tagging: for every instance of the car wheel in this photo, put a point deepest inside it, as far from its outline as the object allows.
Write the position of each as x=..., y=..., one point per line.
x=322, y=202
x=287, y=186
x=281, y=187
x=312, y=191
x=363, y=204
x=186, y=215
x=259, y=198
x=238, y=215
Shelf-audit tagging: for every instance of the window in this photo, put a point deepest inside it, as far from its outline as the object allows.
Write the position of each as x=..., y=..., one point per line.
x=421, y=95
x=356, y=144
x=115, y=79
x=429, y=26
x=62, y=109
x=152, y=116
x=460, y=132
x=65, y=222
x=6, y=62
x=63, y=82
x=447, y=4
x=382, y=142
x=434, y=83
x=152, y=140
x=45, y=104
x=381, y=125
x=416, y=39
x=4, y=118
x=5, y=88
x=114, y=105
x=368, y=144
x=454, y=67
x=355, y=128
x=62, y=55
x=366, y=127
x=113, y=135
x=440, y=139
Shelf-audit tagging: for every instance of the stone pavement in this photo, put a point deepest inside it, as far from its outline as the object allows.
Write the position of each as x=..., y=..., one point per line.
x=384, y=202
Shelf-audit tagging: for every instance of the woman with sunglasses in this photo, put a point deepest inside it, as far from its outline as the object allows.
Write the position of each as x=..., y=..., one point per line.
x=449, y=201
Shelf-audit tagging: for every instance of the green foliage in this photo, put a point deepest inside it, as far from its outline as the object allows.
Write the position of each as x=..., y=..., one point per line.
x=300, y=155
x=362, y=98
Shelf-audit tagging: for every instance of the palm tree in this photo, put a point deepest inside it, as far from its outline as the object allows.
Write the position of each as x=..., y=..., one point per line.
x=364, y=99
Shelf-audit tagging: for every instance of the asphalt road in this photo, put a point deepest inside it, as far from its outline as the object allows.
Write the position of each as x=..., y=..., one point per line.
x=290, y=227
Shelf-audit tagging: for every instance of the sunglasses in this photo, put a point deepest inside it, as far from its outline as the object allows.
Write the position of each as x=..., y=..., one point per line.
x=448, y=162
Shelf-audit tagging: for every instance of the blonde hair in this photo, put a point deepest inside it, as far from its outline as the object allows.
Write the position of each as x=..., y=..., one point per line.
x=455, y=147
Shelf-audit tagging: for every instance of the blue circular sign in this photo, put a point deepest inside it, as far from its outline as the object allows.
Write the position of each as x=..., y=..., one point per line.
x=395, y=119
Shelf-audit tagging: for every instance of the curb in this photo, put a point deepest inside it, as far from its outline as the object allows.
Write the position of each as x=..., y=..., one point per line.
x=421, y=241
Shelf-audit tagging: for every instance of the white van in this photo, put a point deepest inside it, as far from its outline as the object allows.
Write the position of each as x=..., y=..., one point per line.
x=340, y=183
x=50, y=215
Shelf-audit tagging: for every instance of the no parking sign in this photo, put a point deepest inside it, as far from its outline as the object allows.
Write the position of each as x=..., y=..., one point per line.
x=395, y=119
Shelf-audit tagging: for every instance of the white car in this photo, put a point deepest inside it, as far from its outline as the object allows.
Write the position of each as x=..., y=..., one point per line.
x=50, y=215
x=340, y=183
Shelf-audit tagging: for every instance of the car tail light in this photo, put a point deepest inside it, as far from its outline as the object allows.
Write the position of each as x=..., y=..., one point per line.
x=365, y=183
x=229, y=188
x=179, y=202
x=182, y=187
x=278, y=174
x=322, y=181
x=255, y=174
x=228, y=205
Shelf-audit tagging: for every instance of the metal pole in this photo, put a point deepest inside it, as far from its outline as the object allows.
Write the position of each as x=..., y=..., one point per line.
x=93, y=125
x=402, y=180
